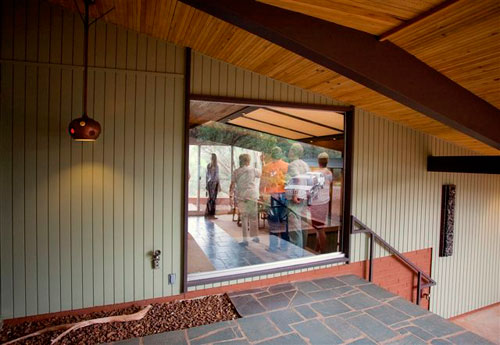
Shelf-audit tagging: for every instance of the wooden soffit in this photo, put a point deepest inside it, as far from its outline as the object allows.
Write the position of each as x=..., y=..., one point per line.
x=461, y=42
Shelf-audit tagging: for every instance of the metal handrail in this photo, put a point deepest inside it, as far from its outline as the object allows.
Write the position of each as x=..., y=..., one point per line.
x=362, y=228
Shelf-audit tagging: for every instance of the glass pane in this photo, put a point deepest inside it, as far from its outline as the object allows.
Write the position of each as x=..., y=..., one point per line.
x=193, y=175
x=263, y=198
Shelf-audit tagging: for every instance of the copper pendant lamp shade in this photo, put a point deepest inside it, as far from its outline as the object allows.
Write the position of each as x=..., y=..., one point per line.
x=85, y=128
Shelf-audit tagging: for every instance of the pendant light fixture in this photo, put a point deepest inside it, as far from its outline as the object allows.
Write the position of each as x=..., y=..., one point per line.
x=85, y=128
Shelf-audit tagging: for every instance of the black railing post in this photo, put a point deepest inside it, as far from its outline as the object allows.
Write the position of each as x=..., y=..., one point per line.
x=419, y=287
x=370, y=270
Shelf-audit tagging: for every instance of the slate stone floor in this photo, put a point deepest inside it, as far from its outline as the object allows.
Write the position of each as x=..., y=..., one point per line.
x=329, y=311
x=224, y=252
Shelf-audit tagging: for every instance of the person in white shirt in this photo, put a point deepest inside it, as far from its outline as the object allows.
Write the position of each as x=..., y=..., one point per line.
x=320, y=204
x=245, y=189
x=297, y=206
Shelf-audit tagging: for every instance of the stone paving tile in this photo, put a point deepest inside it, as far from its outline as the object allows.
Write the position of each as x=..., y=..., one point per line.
x=363, y=341
x=283, y=318
x=440, y=342
x=437, y=325
x=281, y=288
x=289, y=339
x=408, y=340
x=469, y=338
x=343, y=329
x=237, y=332
x=323, y=294
x=400, y=324
x=408, y=307
x=373, y=328
x=257, y=328
x=201, y=330
x=344, y=289
x=174, y=338
x=376, y=291
x=330, y=307
x=307, y=286
x=230, y=342
x=274, y=302
x=352, y=279
x=247, y=305
x=317, y=333
x=300, y=298
x=350, y=314
x=359, y=301
x=387, y=315
x=306, y=311
x=419, y=332
x=328, y=283
x=218, y=336
x=261, y=294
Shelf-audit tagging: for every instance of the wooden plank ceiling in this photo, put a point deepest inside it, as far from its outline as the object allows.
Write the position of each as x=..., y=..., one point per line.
x=461, y=41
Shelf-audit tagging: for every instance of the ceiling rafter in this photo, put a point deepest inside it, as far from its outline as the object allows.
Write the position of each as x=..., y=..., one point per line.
x=409, y=23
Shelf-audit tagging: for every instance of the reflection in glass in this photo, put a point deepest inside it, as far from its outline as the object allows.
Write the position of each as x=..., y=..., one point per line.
x=257, y=198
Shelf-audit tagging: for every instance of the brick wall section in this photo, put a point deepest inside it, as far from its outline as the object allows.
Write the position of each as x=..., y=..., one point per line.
x=388, y=273
x=395, y=276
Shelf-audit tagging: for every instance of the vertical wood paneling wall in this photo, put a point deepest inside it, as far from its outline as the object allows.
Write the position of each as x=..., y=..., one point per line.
x=216, y=78
x=78, y=220
x=395, y=195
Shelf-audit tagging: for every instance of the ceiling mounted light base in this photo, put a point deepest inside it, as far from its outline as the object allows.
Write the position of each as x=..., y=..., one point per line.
x=84, y=129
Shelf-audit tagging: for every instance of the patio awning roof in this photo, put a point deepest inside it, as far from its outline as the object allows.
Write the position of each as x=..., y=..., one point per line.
x=290, y=123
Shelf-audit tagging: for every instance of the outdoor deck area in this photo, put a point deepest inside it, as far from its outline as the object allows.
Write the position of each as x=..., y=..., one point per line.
x=342, y=310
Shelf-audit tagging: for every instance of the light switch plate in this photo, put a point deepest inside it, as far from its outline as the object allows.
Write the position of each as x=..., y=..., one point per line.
x=171, y=278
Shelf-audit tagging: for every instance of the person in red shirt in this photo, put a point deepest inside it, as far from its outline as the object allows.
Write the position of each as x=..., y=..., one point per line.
x=272, y=189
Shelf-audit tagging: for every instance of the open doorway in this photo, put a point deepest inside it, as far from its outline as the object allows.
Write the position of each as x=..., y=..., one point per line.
x=265, y=187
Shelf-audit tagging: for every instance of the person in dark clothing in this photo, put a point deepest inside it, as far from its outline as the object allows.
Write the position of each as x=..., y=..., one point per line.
x=212, y=185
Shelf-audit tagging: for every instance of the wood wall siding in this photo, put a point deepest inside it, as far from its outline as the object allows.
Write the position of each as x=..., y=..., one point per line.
x=216, y=78
x=396, y=196
x=78, y=220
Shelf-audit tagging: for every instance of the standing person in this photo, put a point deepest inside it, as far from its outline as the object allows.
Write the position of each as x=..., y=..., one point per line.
x=320, y=204
x=272, y=188
x=212, y=185
x=296, y=206
x=244, y=188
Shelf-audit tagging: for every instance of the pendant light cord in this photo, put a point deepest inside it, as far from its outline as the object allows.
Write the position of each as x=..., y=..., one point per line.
x=85, y=56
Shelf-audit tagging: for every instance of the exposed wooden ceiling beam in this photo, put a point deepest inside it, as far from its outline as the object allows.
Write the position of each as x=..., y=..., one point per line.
x=238, y=113
x=381, y=66
x=464, y=164
x=445, y=4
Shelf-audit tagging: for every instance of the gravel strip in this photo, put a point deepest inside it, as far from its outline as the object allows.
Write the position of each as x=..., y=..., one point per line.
x=162, y=317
